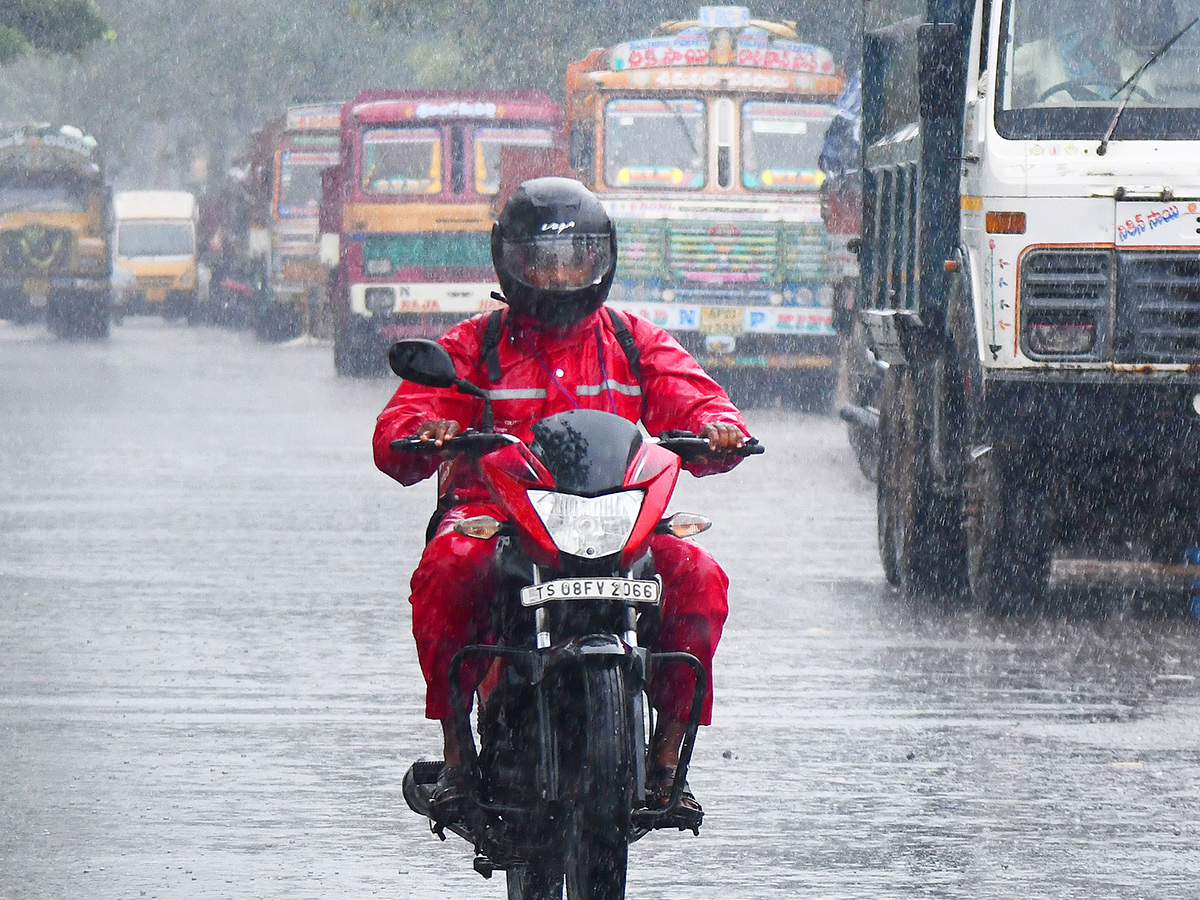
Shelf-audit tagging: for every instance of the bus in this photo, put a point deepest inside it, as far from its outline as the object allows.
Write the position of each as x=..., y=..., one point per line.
x=702, y=140
x=406, y=212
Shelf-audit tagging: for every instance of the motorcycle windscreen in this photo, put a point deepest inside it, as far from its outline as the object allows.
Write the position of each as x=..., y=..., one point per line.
x=587, y=451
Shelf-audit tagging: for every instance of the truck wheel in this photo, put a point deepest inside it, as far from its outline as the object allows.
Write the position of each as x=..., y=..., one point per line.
x=921, y=539
x=277, y=322
x=81, y=317
x=1008, y=537
x=356, y=355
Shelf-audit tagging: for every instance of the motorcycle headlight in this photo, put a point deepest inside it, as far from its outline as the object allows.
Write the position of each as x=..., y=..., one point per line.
x=591, y=527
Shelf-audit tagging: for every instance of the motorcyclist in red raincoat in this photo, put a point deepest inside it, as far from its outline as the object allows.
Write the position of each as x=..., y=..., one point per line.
x=557, y=348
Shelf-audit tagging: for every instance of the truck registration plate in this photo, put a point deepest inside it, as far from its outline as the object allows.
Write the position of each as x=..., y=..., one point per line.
x=725, y=320
x=633, y=590
x=37, y=290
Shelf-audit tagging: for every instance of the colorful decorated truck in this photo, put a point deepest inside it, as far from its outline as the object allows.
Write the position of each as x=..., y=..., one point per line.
x=407, y=211
x=702, y=140
x=55, y=218
x=295, y=301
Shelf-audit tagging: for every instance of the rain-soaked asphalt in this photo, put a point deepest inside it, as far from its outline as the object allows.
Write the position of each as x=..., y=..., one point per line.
x=208, y=689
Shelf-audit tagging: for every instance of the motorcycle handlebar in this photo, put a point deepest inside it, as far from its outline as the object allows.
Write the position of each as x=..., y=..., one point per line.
x=689, y=446
x=686, y=444
x=479, y=441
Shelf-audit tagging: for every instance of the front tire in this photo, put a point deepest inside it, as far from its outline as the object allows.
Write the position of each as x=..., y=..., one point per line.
x=1008, y=536
x=920, y=534
x=357, y=352
x=534, y=881
x=80, y=317
x=598, y=851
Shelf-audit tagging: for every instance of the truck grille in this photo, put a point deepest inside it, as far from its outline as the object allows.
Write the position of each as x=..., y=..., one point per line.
x=805, y=252
x=1065, y=289
x=642, y=252
x=725, y=259
x=716, y=254
x=156, y=282
x=35, y=248
x=1158, y=307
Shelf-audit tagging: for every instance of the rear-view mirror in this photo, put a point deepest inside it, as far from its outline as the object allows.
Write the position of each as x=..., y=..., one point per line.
x=424, y=362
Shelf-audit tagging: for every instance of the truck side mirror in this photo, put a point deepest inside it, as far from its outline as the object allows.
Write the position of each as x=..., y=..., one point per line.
x=330, y=250
x=581, y=150
x=940, y=53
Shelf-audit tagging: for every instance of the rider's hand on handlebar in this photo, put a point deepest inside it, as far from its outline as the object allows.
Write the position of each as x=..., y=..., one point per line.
x=723, y=436
x=438, y=430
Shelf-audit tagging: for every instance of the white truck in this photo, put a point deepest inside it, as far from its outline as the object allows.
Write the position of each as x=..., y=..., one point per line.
x=1031, y=286
x=155, y=242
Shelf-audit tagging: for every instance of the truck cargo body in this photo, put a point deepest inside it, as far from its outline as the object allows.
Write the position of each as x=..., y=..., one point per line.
x=1030, y=280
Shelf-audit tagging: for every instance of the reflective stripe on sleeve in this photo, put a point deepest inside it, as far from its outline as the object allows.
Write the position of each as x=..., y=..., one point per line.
x=517, y=394
x=592, y=390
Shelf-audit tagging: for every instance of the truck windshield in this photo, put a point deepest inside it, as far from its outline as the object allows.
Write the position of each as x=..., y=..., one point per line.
x=402, y=161
x=654, y=143
x=42, y=192
x=488, y=143
x=300, y=184
x=1066, y=65
x=155, y=239
x=781, y=145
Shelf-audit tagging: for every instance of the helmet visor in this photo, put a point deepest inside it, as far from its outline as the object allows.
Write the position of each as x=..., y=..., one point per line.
x=567, y=262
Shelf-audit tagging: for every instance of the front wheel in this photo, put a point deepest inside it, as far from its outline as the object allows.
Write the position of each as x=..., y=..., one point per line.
x=598, y=850
x=921, y=542
x=1008, y=535
x=534, y=881
x=79, y=317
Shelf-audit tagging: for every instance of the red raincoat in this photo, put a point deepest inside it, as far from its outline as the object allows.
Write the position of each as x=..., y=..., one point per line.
x=546, y=372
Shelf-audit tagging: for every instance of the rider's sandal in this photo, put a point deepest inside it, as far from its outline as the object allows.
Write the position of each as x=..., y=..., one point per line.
x=448, y=799
x=688, y=814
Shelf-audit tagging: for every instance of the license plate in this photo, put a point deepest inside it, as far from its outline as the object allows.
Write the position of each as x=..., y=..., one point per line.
x=37, y=290
x=725, y=320
x=632, y=590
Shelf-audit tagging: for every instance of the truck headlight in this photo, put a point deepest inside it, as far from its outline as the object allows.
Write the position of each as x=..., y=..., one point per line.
x=380, y=300
x=379, y=266
x=1062, y=338
x=590, y=527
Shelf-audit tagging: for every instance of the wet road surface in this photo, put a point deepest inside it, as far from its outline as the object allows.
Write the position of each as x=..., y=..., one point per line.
x=208, y=688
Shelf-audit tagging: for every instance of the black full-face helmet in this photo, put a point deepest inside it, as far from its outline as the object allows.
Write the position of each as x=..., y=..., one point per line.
x=555, y=251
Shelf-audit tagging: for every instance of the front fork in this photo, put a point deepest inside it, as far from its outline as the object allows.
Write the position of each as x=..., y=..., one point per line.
x=533, y=665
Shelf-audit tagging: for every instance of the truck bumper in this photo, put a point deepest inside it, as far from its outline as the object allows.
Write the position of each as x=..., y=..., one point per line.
x=1107, y=411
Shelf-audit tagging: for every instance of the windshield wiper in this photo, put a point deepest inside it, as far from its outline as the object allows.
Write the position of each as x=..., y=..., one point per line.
x=1131, y=84
x=683, y=126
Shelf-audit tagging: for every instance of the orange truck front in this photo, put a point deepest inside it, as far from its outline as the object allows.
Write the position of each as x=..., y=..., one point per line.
x=702, y=140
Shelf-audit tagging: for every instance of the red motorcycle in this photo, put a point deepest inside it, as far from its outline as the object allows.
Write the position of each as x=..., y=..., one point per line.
x=558, y=783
